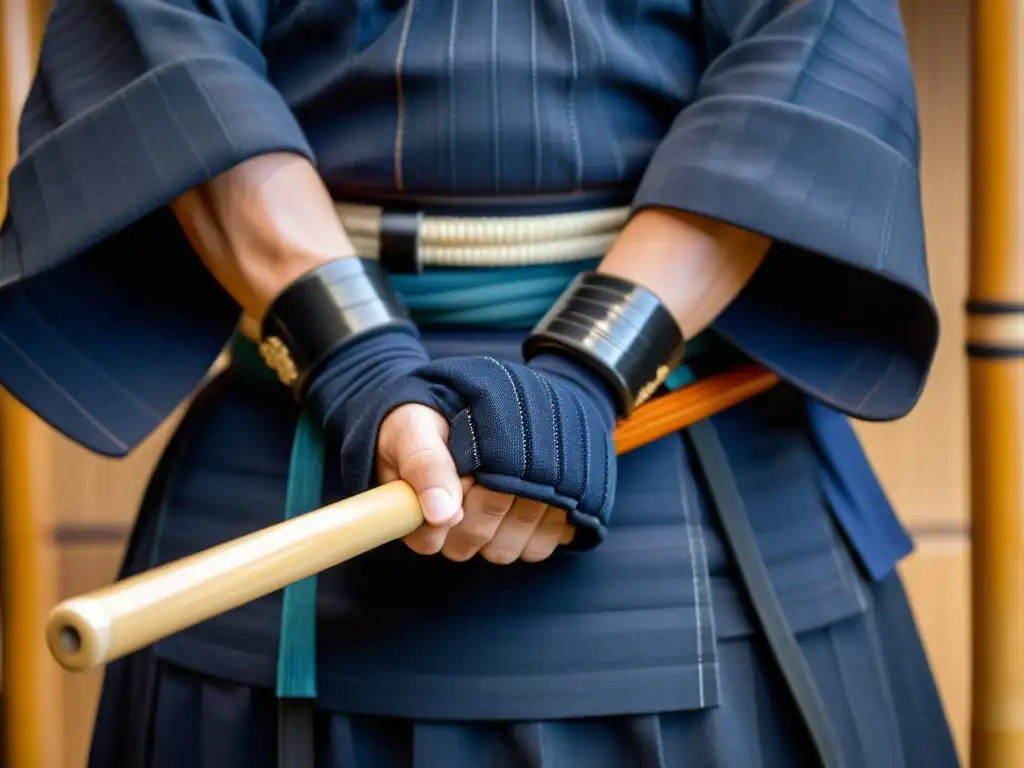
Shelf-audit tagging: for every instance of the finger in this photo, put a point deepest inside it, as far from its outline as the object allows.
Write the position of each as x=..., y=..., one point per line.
x=514, y=533
x=414, y=441
x=429, y=539
x=484, y=511
x=552, y=531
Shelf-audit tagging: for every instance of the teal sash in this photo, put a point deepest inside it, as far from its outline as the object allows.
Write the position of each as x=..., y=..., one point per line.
x=296, y=657
x=296, y=660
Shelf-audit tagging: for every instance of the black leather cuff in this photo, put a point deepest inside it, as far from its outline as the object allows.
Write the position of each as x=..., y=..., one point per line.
x=618, y=329
x=325, y=309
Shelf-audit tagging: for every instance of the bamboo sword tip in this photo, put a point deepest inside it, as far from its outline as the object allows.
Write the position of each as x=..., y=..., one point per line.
x=78, y=634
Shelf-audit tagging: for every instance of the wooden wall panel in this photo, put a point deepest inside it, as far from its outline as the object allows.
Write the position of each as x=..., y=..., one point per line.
x=28, y=567
x=922, y=460
x=937, y=577
x=83, y=566
x=95, y=506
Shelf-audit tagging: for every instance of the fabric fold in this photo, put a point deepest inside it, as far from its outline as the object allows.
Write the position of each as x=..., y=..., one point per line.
x=803, y=128
x=133, y=105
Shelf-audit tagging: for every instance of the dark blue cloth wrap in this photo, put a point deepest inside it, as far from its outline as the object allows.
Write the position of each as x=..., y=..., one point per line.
x=345, y=393
x=542, y=431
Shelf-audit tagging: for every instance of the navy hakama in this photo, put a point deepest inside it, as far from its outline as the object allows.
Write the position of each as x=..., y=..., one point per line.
x=884, y=702
x=179, y=703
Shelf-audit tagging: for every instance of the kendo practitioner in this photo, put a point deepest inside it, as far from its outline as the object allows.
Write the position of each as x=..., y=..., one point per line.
x=453, y=241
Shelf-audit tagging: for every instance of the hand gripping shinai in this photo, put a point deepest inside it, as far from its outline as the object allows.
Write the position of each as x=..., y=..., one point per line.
x=98, y=627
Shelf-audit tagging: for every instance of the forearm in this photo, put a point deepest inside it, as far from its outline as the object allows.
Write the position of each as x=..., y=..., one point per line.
x=696, y=266
x=260, y=225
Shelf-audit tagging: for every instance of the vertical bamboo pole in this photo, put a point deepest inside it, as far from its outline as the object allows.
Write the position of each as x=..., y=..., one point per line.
x=32, y=685
x=28, y=563
x=995, y=348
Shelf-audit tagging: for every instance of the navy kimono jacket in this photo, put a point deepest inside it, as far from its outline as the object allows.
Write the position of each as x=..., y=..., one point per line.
x=793, y=119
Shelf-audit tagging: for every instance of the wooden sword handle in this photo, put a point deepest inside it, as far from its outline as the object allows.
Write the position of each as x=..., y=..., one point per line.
x=98, y=627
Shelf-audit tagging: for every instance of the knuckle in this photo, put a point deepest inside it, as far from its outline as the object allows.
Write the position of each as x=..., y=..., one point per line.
x=499, y=556
x=542, y=544
x=529, y=513
x=461, y=545
x=473, y=538
x=494, y=505
x=457, y=553
x=420, y=548
x=557, y=517
x=420, y=460
x=554, y=530
x=472, y=533
x=536, y=553
x=425, y=542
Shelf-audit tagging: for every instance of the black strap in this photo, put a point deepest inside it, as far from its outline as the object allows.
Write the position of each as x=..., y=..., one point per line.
x=295, y=742
x=400, y=242
x=739, y=538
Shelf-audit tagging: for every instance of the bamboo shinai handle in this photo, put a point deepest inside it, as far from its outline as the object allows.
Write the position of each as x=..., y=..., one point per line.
x=101, y=626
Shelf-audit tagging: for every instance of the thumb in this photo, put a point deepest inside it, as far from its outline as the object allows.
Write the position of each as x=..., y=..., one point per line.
x=414, y=440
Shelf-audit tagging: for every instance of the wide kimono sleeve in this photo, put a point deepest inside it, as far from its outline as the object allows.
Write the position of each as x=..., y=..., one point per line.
x=804, y=128
x=107, y=318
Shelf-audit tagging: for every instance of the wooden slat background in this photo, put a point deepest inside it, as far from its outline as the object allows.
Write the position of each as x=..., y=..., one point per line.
x=922, y=460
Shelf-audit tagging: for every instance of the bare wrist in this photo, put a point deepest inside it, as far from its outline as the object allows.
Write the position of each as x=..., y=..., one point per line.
x=696, y=266
x=261, y=225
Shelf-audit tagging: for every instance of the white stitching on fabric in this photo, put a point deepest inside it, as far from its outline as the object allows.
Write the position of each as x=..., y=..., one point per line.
x=124, y=390
x=587, y=450
x=472, y=438
x=691, y=529
x=702, y=549
x=452, y=165
x=495, y=96
x=522, y=411
x=557, y=433
x=67, y=395
x=538, y=149
x=570, y=106
x=556, y=414
x=400, y=97
x=608, y=459
x=880, y=382
x=890, y=218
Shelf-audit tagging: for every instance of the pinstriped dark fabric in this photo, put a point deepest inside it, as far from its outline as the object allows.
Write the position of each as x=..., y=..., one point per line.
x=815, y=103
x=795, y=118
x=882, y=701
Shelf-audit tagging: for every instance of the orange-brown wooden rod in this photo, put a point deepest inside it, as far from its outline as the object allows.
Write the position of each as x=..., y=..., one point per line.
x=101, y=626
x=31, y=712
x=995, y=349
